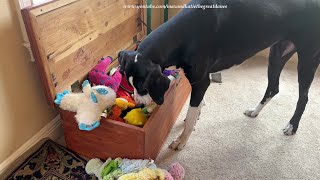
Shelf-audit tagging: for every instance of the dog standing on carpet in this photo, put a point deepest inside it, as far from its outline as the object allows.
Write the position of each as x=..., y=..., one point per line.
x=206, y=41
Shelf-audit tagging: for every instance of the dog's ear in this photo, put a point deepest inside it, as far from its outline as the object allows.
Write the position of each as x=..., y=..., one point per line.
x=122, y=61
x=157, y=84
x=124, y=57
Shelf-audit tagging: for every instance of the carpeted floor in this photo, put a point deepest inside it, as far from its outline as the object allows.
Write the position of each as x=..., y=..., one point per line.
x=229, y=145
x=51, y=162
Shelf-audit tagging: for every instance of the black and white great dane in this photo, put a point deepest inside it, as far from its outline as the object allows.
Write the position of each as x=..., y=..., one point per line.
x=206, y=41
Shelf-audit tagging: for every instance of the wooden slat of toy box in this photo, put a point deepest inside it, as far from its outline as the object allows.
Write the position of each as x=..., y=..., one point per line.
x=69, y=37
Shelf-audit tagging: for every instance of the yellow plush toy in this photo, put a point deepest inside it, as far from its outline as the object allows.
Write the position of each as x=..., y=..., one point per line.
x=145, y=174
x=123, y=103
x=136, y=117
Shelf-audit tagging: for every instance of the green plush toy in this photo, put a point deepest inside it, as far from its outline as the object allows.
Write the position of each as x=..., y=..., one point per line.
x=104, y=171
x=113, y=169
x=112, y=166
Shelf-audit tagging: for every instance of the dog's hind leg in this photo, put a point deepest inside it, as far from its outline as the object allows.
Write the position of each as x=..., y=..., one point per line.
x=280, y=53
x=307, y=66
x=197, y=94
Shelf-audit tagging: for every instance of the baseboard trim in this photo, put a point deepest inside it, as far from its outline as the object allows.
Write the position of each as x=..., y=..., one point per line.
x=52, y=130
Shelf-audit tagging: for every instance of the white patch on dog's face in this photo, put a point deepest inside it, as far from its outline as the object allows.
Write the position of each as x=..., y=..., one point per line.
x=136, y=58
x=131, y=81
x=145, y=99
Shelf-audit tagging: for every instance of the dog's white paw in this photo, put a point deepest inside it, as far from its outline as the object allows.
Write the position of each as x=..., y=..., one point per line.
x=251, y=113
x=288, y=130
x=177, y=145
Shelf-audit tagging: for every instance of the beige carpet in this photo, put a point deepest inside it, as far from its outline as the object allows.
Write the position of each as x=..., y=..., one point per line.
x=229, y=145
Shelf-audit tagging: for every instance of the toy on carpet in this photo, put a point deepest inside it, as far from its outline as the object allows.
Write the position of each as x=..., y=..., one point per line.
x=136, y=169
x=145, y=174
x=113, y=169
x=135, y=165
x=176, y=171
x=88, y=105
x=99, y=76
x=106, y=170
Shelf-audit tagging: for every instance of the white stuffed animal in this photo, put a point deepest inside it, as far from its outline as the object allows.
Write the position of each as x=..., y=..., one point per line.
x=88, y=105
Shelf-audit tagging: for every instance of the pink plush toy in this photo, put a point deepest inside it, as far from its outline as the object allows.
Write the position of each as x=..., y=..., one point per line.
x=175, y=172
x=99, y=76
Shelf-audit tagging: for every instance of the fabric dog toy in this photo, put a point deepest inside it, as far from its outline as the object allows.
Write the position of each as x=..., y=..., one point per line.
x=149, y=108
x=175, y=172
x=136, y=117
x=125, y=102
x=145, y=174
x=113, y=169
x=135, y=165
x=125, y=85
x=99, y=76
x=108, y=170
x=88, y=105
x=115, y=114
x=132, y=169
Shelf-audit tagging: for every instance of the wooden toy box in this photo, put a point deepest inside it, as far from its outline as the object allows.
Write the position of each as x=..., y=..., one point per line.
x=68, y=38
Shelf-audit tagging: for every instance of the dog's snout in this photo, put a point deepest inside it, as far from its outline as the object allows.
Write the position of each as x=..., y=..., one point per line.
x=159, y=101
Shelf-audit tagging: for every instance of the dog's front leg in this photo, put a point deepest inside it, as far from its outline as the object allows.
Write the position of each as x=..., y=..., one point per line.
x=203, y=103
x=197, y=94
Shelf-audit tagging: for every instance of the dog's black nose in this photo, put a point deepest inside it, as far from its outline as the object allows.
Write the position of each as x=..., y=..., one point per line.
x=159, y=101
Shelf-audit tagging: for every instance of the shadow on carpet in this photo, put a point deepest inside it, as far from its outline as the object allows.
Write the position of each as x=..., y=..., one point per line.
x=52, y=161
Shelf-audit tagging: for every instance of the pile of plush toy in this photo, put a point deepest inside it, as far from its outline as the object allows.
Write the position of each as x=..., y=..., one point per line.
x=127, y=169
x=110, y=97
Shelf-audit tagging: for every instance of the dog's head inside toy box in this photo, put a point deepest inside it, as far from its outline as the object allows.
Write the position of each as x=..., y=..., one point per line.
x=111, y=96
